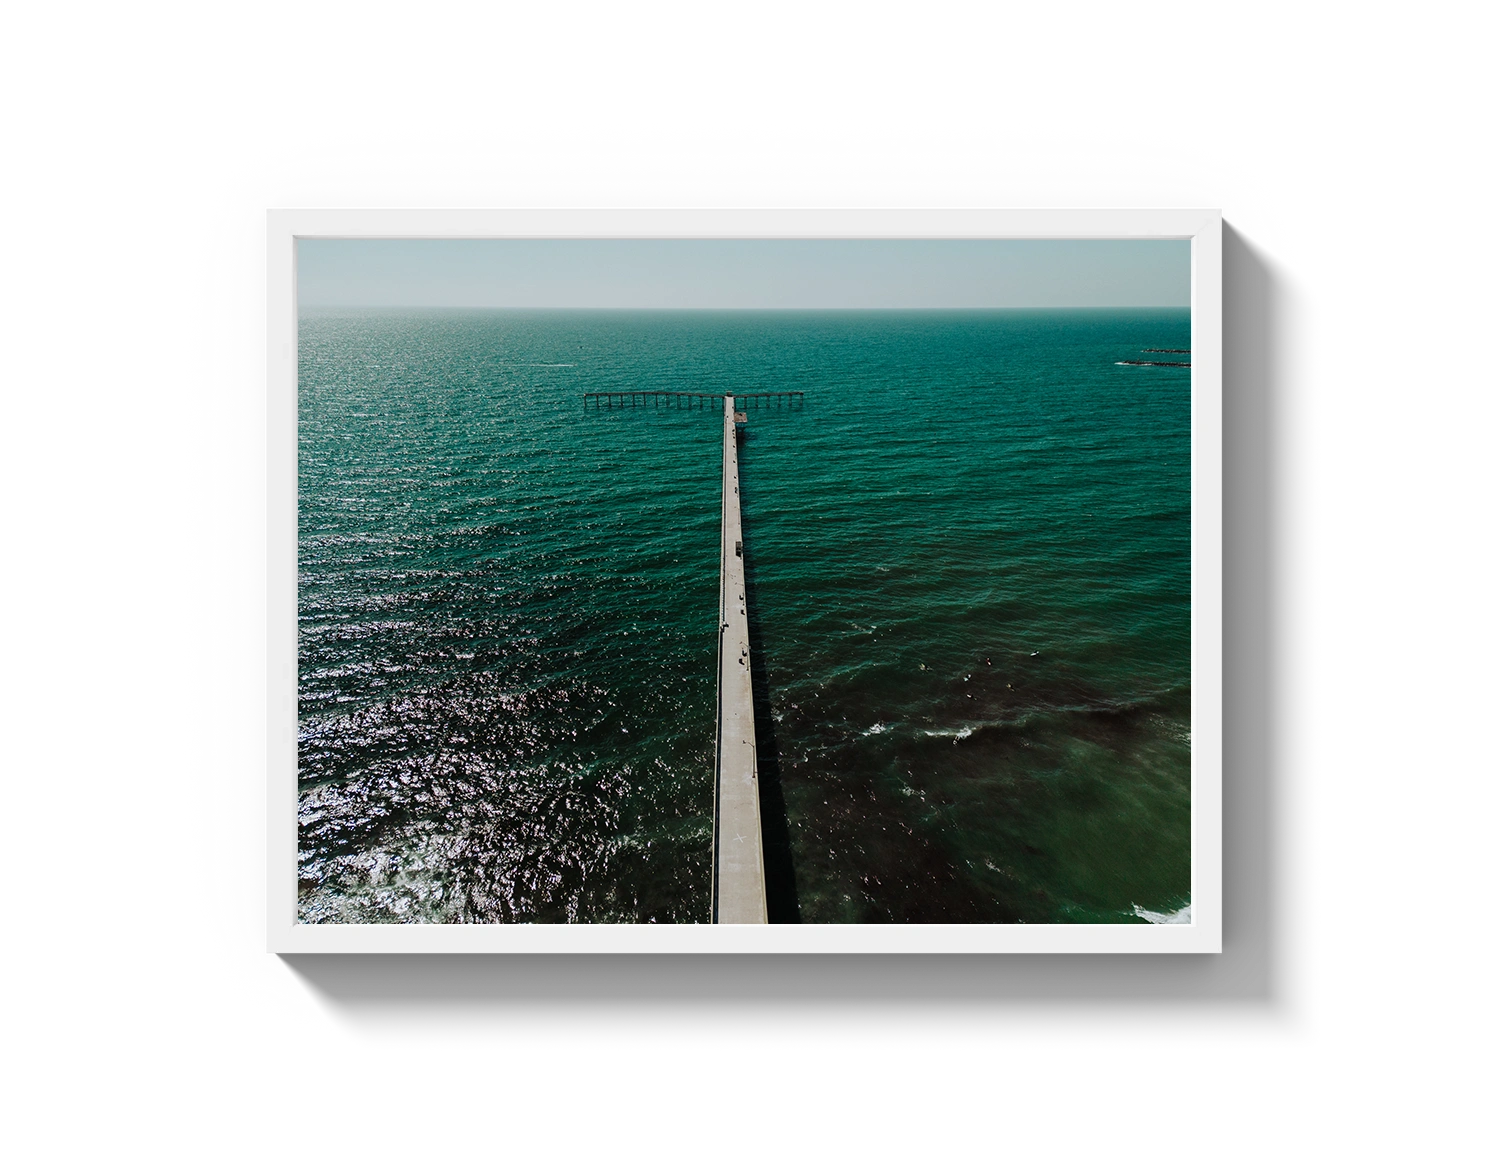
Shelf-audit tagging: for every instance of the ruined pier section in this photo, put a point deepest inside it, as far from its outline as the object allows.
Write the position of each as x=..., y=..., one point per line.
x=739, y=874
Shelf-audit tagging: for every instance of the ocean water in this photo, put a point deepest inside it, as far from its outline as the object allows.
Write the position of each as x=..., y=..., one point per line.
x=968, y=558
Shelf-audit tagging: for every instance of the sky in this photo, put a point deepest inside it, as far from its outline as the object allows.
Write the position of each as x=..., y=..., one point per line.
x=743, y=274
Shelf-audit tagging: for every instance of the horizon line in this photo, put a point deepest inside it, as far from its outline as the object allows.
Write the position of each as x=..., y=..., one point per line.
x=759, y=308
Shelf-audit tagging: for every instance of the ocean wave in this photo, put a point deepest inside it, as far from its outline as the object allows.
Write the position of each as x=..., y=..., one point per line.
x=1181, y=917
x=1174, y=729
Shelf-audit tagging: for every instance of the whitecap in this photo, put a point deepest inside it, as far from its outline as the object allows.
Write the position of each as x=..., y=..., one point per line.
x=1178, y=918
x=950, y=733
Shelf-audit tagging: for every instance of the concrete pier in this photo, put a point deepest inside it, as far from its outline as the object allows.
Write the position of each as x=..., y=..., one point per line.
x=739, y=874
x=605, y=399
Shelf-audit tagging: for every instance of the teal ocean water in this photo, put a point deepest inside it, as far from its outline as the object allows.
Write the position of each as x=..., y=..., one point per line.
x=968, y=552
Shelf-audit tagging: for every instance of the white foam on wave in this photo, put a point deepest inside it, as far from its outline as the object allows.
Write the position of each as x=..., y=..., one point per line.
x=1173, y=729
x=1181, y=917
x=950, y=733
x=875, y=729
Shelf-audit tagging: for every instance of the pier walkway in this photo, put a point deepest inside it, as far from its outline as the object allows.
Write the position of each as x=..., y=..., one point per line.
x=739, y=877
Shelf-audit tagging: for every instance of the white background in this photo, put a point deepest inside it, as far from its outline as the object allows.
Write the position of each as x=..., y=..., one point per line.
x=1350, y=1020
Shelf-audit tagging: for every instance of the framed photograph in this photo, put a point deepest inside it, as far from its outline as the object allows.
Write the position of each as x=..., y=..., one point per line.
x=744, y=581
